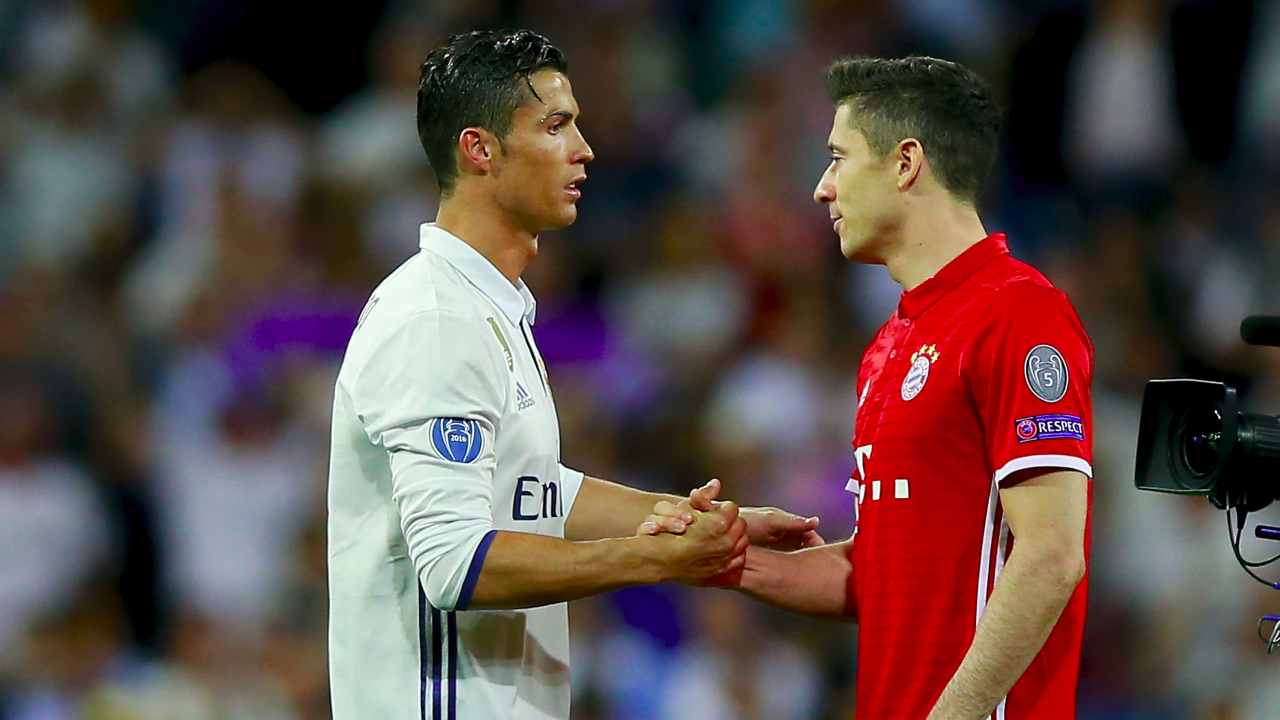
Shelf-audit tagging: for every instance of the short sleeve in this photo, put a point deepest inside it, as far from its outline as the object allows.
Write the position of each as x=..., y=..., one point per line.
x=570, y=484
x=431, y=394
x=1029, y=374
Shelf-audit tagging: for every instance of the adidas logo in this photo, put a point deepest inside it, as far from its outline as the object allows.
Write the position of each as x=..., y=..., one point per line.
x=524, y=400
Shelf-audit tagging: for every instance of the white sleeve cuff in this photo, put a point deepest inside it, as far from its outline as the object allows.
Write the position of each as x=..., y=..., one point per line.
x=1069, y=462
x=445, y=557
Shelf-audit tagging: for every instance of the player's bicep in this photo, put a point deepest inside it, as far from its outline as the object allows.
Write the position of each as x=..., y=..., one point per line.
x=1047, y=512
x=446, y=517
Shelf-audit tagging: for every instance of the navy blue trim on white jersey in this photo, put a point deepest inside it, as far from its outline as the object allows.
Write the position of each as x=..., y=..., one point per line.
x=473, y=570
x=452, y=624
x=431, y=640
x=437, y=648
x=422, y=654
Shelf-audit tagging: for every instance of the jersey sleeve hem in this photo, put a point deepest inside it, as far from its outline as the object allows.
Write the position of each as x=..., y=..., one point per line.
x=473, y=570
x=570, y=484
x=1070, y=462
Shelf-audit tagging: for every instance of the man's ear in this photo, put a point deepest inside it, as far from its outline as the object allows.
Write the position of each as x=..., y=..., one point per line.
x=909, y=161
x=476, y=150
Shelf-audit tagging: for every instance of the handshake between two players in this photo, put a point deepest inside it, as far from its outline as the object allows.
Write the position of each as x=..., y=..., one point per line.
x=713, y=549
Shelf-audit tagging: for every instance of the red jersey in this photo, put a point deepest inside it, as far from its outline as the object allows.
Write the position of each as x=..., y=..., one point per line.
x=983, y=371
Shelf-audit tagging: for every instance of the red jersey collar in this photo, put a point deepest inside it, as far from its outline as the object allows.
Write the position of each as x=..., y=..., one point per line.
x=915, y=301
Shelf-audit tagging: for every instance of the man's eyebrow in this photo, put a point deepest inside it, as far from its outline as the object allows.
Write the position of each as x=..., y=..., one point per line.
x=561, y=114
x=835, y=148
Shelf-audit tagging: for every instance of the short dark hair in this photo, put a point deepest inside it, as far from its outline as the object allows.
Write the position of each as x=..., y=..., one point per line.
x=945, y=105
x=477, y=79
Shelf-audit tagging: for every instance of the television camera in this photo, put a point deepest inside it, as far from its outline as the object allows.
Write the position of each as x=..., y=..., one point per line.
x=1193, y=439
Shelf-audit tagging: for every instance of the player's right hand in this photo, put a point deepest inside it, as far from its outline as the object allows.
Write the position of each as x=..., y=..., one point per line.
x=767, y=527
x=711, y=550
x=674, y=518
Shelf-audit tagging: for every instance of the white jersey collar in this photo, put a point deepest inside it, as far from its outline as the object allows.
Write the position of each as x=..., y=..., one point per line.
x=515, y=301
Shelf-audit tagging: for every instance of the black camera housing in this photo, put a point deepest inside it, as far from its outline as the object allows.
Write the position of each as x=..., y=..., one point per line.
x=1193, y=440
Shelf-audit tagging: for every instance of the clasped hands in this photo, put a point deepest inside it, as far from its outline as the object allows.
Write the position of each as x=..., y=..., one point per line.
x=709, y=538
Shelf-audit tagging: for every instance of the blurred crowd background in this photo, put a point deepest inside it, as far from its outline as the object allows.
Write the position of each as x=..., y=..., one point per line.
x=197, y=196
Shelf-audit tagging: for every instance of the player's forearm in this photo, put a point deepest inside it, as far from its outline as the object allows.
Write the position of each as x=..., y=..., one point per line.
x=605, y=509
x=526, y=570
x=811, y=581
x=1028, y=599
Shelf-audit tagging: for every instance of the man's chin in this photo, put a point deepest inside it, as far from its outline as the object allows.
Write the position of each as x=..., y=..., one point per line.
x=849, y=249
x=564, y=219
x=858, y=252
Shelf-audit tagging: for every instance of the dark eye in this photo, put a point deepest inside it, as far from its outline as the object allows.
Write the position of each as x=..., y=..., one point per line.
x=555, y=129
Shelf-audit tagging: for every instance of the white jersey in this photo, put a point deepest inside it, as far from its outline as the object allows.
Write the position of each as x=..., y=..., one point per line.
x=443, y=433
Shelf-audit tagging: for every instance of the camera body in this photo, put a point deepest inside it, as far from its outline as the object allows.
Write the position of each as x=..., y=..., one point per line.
x=1194, y=440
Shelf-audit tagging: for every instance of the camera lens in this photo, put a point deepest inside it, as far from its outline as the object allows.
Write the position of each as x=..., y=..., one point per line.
x=1200, y=434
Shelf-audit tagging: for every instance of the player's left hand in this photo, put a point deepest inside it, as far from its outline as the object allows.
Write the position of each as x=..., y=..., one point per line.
x=766, y=526
x=780, y=530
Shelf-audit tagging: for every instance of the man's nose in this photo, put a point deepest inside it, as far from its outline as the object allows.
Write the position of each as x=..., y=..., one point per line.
x=824, y=192
x=585, y=154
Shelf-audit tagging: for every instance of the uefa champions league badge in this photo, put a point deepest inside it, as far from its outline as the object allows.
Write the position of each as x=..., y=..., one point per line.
x=921, y=361
x=1046, y=372
x=456, y=439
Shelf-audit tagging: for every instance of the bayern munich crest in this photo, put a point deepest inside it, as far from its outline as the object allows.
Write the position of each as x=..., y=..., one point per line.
x=921, y=362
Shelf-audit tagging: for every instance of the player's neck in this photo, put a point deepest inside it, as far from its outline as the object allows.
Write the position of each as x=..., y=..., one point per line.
x=929, y=240
x=485, y=227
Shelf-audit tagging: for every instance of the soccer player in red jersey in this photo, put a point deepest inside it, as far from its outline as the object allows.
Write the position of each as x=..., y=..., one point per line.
x=966, y=569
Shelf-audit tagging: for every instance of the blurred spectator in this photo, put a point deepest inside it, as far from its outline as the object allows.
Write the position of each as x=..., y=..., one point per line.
x=371, y=140
x=68, y=176
x=1260, y=128
x=737, y=668
x=1122, y=128
x=688, y=307
x=228, y=181
x=53, y=533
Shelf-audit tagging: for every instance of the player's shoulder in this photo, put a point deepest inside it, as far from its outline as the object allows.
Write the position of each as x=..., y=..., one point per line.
x=1014, y=286
x=1020, y=296
x=424, y=283
x=425, y=289
x=425, y=301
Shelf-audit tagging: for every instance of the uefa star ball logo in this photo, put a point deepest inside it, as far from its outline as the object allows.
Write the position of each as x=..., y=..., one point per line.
x=1026, y=429
x=921, y=361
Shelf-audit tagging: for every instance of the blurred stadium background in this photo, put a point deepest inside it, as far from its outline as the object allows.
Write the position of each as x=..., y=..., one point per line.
x=196, y=196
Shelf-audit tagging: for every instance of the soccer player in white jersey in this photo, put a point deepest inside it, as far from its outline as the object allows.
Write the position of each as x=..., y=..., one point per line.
x=455, y=534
